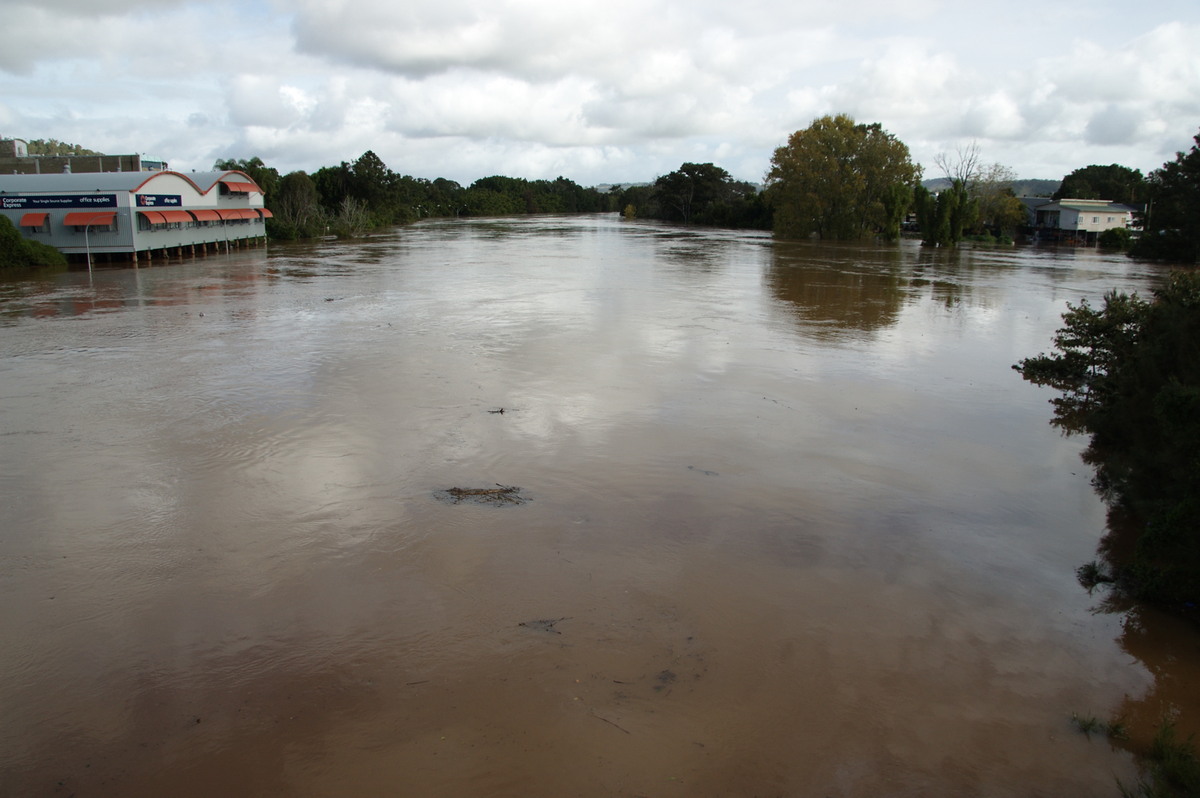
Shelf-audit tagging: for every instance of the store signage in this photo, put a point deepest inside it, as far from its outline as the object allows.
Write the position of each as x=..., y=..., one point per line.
x=18, y=202
x=160, y=200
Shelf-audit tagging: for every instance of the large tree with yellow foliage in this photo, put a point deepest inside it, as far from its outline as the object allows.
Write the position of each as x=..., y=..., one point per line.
x=838, y=179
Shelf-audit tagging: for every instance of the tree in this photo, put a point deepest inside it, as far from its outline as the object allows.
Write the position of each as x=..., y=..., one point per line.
x=837, y=179
x=979, y=199
x=298, y=212
x=371, y=181
x=266, y=177
x=1114, y=183
x=1171, y=222
x=998, y=207
x=692, y=186
x=962, y=165
x=56, y=147
x=1129, y=374
x=18, y=252
x=640, y=201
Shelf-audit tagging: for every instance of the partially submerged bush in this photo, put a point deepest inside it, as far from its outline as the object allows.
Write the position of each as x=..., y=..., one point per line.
x=17, y=252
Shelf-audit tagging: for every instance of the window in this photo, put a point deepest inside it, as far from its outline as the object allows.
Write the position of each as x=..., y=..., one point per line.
x=1095, y=220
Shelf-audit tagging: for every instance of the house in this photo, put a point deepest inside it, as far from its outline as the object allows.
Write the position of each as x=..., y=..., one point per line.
x=128, y=215
x=1079, y=219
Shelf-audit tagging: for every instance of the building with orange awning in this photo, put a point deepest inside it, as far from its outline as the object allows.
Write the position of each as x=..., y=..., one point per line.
x=128, y=216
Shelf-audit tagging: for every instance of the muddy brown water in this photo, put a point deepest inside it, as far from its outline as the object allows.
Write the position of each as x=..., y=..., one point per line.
x=790, y=523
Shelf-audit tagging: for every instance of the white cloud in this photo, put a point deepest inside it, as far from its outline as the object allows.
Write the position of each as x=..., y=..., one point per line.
x=595, y=90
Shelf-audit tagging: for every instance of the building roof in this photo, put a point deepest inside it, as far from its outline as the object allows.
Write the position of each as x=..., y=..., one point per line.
x=1085, y=205
x=1033, y=203
x=116, y=181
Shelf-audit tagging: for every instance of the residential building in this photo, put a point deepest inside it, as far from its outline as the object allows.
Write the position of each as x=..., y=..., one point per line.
x=1081, y=219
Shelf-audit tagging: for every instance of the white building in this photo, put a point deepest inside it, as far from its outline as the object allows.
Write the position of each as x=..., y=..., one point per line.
x=1082, y=217
x=130, y=215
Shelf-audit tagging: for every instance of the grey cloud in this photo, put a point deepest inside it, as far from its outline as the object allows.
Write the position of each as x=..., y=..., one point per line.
x=1114, y=125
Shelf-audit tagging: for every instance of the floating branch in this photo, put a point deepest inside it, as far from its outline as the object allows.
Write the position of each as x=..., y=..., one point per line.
x=498, y=496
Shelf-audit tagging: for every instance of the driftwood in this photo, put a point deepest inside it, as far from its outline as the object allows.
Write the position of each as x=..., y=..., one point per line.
x=543, y=624
x=498, y=496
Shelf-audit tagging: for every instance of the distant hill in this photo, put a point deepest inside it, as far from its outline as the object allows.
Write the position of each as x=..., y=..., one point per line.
x=1022, y=188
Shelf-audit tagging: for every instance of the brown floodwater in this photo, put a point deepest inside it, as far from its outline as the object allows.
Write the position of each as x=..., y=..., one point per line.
x=788, y=523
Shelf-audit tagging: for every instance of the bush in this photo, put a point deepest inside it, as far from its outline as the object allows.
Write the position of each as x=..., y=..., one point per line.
x=1129, y=374
x=40, y=254
x=16, y=252
x=1116, y=238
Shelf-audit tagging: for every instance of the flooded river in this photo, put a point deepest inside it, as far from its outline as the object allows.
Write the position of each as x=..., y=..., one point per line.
x=788, y=523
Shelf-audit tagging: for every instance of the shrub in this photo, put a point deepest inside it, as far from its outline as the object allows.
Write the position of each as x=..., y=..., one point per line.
x=18, y=253
x=1116, y=238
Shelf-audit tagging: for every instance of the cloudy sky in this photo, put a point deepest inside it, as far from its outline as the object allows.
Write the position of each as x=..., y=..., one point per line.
x=599, y=90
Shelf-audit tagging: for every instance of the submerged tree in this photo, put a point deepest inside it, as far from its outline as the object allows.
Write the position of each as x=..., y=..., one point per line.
x=1129, y=374
x=18, y=252
x=298, y=212
x=706, y=194
x=840, y=180
x=692, y=186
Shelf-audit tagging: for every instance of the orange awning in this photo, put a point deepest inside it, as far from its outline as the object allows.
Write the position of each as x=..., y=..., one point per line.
x=176, y=216
x=235, y=185
x=153, y=217
x=237, y=213
x=89, y=218
x=265, y=213
x=206, y=216
x=33, y=219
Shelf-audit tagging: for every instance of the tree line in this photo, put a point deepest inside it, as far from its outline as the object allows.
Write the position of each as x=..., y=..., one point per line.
x=836, y=179
x=352, y=198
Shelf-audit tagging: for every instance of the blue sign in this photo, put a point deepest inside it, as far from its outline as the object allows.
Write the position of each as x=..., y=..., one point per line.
x=17, y=202
x=160, y=201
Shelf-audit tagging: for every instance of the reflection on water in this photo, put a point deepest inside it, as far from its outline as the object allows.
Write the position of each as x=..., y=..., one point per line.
x=840, y=288
x=794, y=525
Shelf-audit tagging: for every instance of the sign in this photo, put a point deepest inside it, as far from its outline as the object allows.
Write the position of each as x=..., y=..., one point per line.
x=160, y=200
x=18, y=202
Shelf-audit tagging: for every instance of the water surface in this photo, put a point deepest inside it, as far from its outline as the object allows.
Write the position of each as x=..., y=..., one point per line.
x=795, y=527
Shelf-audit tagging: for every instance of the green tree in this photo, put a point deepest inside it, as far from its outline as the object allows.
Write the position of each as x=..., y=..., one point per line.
x=956, y=209
x=998, y=208
x=943, y=217
x=836, y=179
x=1113, y=182
x=1171, y=222
x=371, y=182
x=265, y=176
x=692, y=187
x=333, y=185
x=297, y=209
x=56, y=147
x=18, y=252
x=1129, y=374
x=642, y=199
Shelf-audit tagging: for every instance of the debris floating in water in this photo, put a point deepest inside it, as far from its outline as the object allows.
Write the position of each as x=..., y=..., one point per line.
x=543, y=625
x=499, y=496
